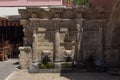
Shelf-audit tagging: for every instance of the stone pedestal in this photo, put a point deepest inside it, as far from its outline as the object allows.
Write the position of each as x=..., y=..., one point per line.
x=25, y=57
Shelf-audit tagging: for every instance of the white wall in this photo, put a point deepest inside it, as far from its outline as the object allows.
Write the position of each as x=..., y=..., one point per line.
x=8, y=11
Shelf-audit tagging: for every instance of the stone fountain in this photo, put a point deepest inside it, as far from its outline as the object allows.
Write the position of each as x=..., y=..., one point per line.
x=58, y=32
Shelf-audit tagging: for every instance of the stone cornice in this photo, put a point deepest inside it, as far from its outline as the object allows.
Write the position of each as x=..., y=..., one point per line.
x=64, y=13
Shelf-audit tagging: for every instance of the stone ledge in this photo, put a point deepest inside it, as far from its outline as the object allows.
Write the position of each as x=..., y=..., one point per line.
x=45, y=71
x=24, y=48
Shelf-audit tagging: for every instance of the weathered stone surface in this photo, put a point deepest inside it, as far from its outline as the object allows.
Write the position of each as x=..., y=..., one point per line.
x=66, y=29
x=92, y=38
x=112, y=36
x=25, y=57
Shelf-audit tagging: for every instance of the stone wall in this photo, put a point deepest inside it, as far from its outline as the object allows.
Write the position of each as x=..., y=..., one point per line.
x=93, y=38
x=107, y=4
x=112, y=36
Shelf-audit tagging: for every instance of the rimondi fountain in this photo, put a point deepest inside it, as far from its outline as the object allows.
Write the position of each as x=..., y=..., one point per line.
x=58, y=33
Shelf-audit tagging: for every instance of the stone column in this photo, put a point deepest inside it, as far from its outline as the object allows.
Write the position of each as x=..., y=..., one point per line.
x=57, y=23
x=25, y=39
x=78, y=42
x=79, y=20
x=29, y=21
x=35, y=55
x=57, y=46
x=100, y=43
x=27, y=32
x=100, y=54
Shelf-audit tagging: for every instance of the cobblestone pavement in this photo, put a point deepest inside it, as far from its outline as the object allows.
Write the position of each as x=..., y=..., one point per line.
x=24, y=75
x=7, y=67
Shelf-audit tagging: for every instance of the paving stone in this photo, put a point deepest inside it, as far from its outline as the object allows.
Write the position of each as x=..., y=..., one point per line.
x=24, y=75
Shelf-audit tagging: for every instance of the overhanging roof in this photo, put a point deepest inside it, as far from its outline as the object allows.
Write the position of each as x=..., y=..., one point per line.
x=4, y=22
x=17, y=3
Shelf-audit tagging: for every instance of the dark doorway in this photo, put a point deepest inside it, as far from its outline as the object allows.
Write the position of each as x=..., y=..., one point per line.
x=14, y=34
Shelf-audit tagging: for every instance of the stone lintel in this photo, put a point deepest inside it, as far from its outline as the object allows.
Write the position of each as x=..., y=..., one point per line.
x=54, y=20
x=24, y=21
x=34, y=19
x=25, y=48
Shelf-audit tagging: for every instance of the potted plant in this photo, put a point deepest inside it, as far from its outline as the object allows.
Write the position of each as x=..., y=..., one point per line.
x=67, y=67
x=46, y=63
x=90, y=63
